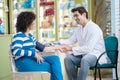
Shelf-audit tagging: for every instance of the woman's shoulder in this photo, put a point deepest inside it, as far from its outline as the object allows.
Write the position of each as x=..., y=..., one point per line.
x=19, y=34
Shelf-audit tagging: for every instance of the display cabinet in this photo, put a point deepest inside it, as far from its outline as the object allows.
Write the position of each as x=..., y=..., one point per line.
x=65, y=18
x=47, y=26
x=3, y=17
x=17, y=6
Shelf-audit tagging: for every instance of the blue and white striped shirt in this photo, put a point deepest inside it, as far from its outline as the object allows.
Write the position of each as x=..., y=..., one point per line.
x=23, y=45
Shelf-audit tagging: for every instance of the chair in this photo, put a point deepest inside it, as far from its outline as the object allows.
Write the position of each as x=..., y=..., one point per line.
x=26, y=75
x=111, y=45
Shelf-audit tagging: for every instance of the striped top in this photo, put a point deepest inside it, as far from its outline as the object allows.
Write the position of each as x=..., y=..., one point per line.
x=23, y=45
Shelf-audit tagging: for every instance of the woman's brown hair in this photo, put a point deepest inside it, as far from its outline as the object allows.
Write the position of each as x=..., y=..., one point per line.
x=24, y=20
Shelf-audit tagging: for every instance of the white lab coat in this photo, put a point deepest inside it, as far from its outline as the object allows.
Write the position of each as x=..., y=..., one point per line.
x=90, y=39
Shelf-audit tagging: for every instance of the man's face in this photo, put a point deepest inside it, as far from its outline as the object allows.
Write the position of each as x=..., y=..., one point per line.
x=78, y=17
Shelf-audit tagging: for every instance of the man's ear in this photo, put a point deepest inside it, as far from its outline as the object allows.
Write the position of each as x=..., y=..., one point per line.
x=84, y=14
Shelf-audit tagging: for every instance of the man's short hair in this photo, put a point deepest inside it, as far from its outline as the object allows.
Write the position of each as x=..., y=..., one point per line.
x=81, y=10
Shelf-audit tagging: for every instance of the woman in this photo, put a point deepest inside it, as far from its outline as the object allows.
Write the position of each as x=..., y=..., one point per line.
x=24, y=47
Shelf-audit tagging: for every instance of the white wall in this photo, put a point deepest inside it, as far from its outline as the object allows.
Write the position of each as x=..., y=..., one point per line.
x=115, y=19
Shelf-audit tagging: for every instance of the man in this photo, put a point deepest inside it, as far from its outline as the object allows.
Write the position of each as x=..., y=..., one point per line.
x=91, y=45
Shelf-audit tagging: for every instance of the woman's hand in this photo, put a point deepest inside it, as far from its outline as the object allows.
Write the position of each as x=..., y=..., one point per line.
x=39, y=58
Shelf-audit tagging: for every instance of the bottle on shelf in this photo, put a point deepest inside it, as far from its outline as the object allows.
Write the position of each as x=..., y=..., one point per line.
x=2, y=29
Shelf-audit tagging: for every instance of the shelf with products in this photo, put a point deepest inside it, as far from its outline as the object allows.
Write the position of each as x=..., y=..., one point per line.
x=17, y=6
x=3, y=17
x=47, y=34
x=66, y=22
x=47, y=21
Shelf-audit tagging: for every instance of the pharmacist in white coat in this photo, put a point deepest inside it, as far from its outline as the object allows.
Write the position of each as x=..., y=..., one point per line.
x=91, y=45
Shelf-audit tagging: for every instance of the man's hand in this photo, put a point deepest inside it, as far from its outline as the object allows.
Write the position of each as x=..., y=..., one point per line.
x=64, y=48
x=39, y=58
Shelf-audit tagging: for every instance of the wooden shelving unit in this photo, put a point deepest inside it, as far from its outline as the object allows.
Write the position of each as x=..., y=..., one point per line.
x=47, y=20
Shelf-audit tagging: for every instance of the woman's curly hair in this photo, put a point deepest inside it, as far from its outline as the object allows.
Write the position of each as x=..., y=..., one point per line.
x=24, y=20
